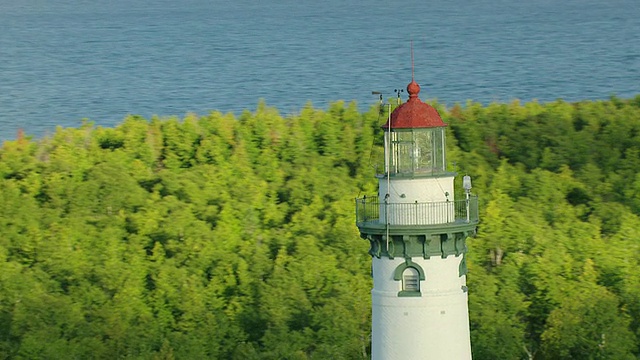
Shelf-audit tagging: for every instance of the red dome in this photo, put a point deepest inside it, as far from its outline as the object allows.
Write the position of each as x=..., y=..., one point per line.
x=414, y=113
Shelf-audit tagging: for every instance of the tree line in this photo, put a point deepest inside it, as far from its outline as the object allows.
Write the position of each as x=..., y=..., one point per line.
x=233, y=237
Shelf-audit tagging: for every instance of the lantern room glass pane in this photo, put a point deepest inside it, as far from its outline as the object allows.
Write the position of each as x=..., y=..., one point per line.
x=415, y=151
x=423, y=153
x=439, y=149
x=403, y=154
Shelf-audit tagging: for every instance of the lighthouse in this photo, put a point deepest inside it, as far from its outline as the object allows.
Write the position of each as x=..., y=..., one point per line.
x=417, y=229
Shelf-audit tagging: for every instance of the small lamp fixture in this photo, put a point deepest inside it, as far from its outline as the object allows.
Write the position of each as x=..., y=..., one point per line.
x=466, y=183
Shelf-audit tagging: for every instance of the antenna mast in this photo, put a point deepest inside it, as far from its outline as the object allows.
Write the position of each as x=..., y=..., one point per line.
x=388, y=195
x=412, y=78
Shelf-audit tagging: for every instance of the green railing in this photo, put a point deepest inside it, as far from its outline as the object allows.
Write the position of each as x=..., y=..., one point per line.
x=371, y=210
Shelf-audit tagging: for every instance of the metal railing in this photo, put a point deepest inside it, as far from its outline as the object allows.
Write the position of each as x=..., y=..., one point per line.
x=371, y=210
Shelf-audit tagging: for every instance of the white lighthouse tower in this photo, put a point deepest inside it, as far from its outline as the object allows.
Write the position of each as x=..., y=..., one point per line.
x=417, y=229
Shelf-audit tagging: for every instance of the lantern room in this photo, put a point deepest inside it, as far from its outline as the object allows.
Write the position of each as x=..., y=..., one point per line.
x=414, y=138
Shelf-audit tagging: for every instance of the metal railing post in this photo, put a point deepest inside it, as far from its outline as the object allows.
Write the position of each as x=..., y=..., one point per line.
x=467, y=201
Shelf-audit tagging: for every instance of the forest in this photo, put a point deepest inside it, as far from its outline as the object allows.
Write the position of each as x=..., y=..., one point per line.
x=225, y=236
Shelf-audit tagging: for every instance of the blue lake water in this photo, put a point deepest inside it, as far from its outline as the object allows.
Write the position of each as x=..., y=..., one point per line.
x=62, y=61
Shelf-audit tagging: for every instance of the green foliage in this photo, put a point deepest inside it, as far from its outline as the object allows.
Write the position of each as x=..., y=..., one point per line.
x=549, y=274
x=233, y=237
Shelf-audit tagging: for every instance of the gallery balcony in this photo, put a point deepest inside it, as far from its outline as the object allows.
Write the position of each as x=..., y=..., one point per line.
x=374, y=216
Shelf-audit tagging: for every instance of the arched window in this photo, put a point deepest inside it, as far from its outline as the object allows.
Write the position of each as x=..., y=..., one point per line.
x=410, y=274
x=411, y=279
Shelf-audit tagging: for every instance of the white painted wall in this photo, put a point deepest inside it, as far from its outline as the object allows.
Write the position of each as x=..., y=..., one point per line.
x=433, y=326
x=430, y=189
x=422, y=190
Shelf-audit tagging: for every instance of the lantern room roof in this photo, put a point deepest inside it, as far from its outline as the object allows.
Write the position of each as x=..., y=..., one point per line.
x=414, y=113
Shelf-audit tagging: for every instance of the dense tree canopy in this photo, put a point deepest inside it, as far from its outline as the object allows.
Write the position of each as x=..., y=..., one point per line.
x=233, y=237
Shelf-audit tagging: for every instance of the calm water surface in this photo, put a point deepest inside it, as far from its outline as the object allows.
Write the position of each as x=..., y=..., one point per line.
x=67, y=60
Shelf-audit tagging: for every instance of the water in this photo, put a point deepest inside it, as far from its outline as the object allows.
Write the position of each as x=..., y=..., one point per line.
x=67, y=60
